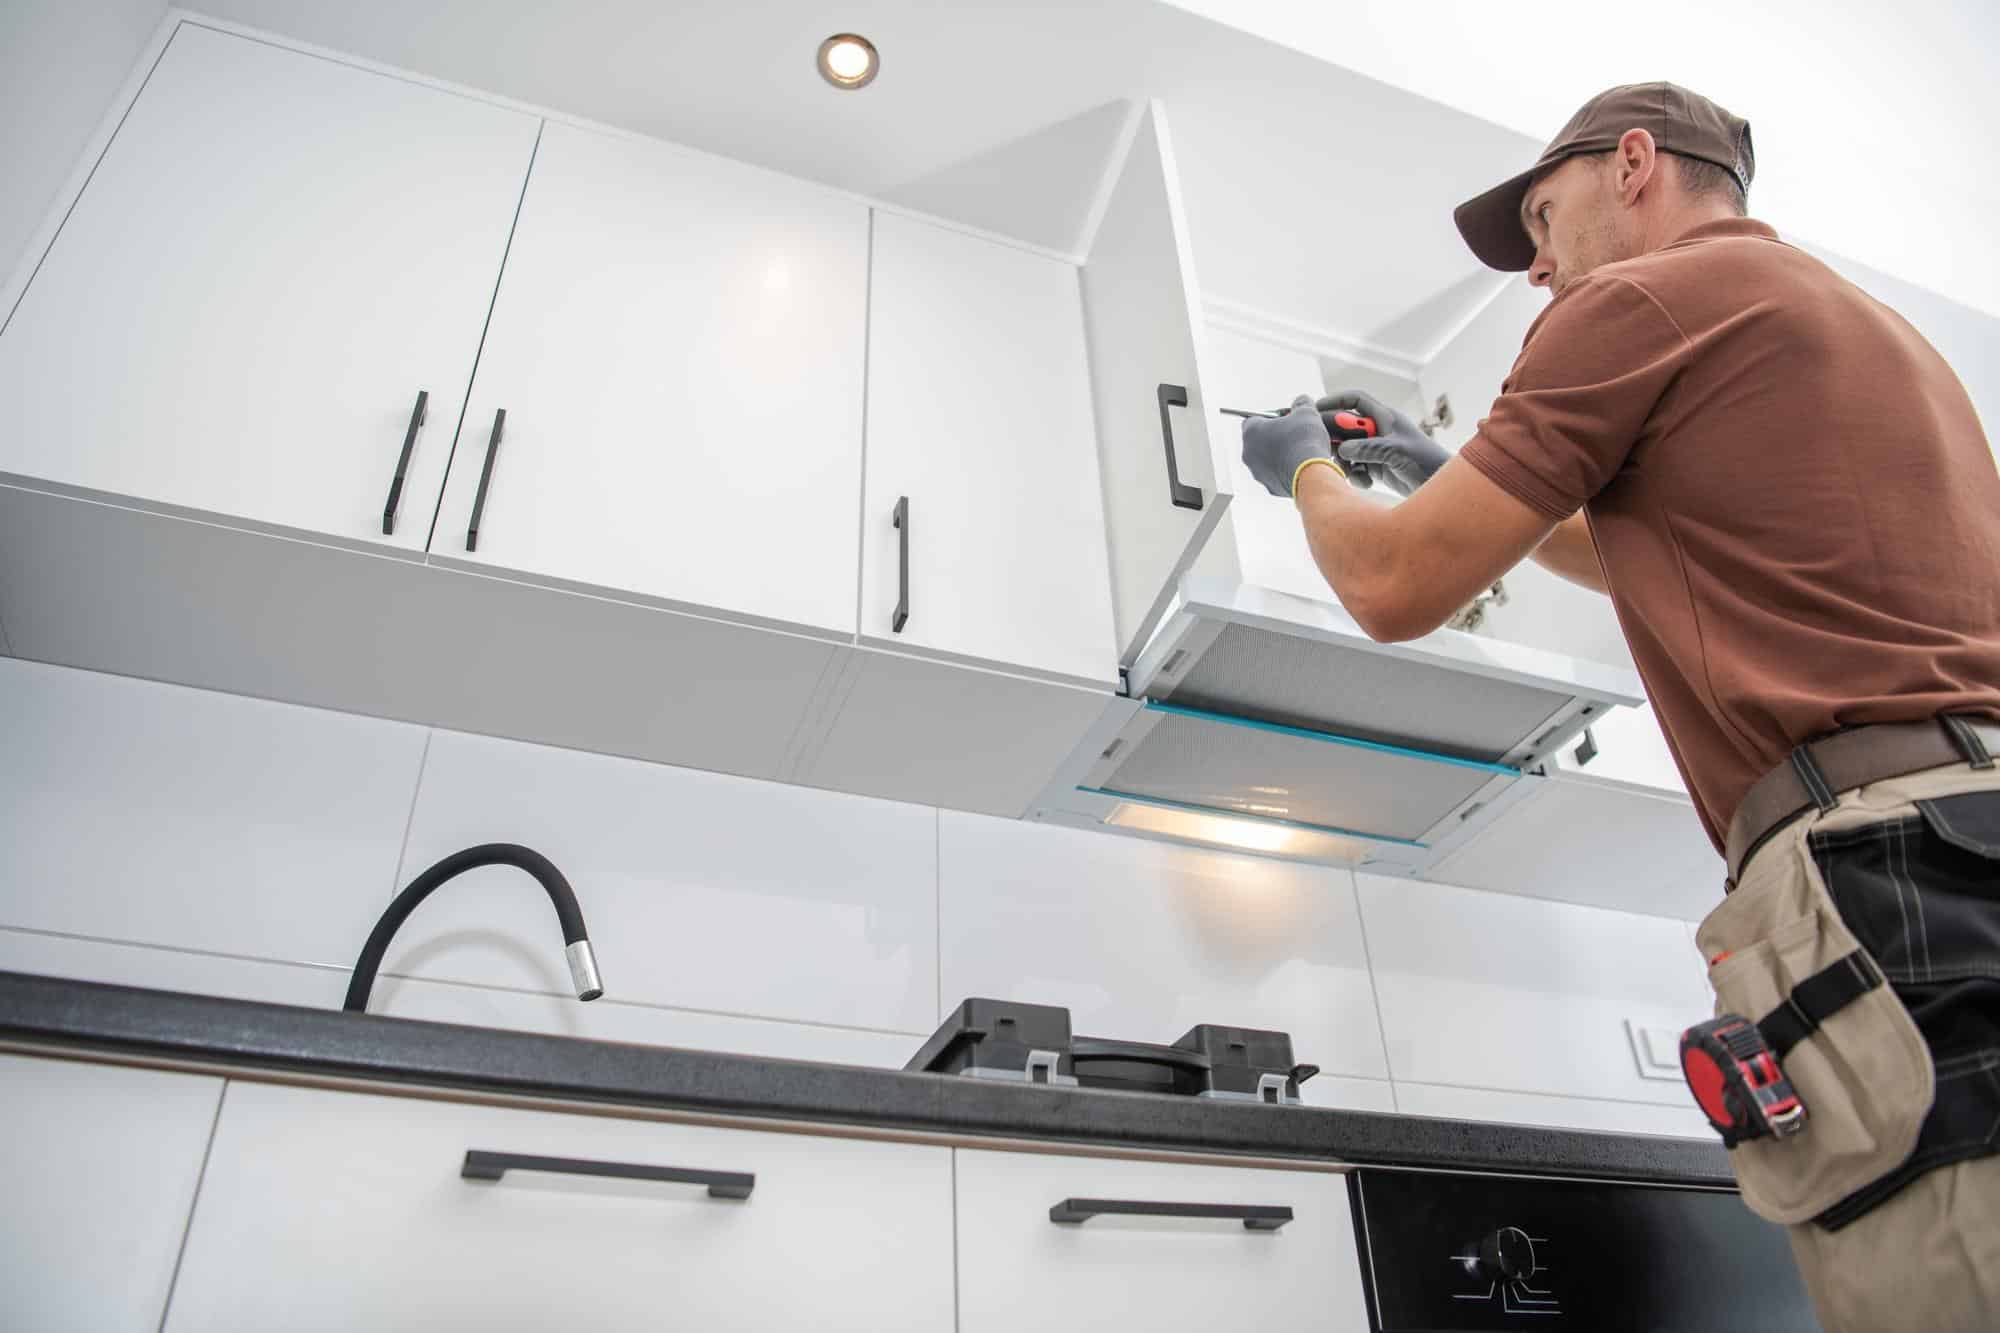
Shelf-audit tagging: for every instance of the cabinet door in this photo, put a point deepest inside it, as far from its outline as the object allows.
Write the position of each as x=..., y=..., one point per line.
x=98, y=1166
x=1144, y=330
x=677, y=346
x=276, y=255
x=979, y=428
x=325, y=1210
x=1018, y=1268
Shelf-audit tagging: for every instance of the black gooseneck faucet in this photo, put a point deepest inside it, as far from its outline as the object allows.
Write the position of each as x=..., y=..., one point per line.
x=576, y=941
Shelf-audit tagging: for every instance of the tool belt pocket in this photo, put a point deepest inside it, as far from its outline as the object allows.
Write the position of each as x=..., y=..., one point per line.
x=1863, y=1071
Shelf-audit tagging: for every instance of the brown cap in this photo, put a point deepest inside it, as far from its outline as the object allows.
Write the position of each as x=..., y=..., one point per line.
x=1679, y=121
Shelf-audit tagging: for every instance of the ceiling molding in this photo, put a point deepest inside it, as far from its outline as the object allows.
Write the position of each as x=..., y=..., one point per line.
x=1250, y=322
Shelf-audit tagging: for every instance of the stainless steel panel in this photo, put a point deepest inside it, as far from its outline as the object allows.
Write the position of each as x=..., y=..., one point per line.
x=1321, y=686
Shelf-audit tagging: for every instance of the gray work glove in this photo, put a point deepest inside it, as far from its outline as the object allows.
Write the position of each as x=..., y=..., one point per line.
x=1275, y=448
x=1400, y=455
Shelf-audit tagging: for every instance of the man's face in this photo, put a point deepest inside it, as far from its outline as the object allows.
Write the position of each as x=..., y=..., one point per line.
x=1574, y=217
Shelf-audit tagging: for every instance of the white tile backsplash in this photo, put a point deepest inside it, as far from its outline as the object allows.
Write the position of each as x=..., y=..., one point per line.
x=701, y=890
x=158, y=814
x=1142, y=940
x=157, y=836
x=609, y=1020
x=1488, y=990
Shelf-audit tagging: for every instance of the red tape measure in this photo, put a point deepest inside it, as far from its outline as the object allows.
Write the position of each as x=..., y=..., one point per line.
x=1735, y=1078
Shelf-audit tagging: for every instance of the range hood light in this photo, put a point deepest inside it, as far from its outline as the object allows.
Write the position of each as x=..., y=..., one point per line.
x=848, y=61
x=1248, y=835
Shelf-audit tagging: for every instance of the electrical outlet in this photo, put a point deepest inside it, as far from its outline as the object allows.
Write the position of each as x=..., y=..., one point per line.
x=1656, y=1050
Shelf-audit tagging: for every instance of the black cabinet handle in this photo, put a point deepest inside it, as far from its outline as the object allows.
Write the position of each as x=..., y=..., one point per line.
x=485, y=477
x=1254, y=1216
x=902, y=522
x=482, y=1165
x=1187, y=497
x=417, y=415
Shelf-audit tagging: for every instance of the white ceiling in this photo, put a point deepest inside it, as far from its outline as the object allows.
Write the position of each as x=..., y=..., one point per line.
x=1314, y=194
x=1874, y=122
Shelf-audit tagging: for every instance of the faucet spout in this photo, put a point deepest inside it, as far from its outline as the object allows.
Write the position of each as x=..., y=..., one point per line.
x=576, y=941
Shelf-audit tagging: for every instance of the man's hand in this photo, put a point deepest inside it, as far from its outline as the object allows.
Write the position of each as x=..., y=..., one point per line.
x=1277, y=448
x=1399, y=455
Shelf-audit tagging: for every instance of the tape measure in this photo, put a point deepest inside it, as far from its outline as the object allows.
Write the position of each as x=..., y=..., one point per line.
x=1736, y=1080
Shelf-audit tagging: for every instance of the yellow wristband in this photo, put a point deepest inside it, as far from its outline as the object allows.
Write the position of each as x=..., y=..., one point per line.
x=1338, y=471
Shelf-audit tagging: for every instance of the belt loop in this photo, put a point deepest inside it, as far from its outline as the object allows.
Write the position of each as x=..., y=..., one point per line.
x=1813, y=779
x=1966, y=740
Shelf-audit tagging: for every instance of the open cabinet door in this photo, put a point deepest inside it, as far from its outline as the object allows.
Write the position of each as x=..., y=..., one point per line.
x=1144, y=332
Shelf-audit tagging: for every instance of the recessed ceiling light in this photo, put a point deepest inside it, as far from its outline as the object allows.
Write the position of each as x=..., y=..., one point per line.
x=848, y=61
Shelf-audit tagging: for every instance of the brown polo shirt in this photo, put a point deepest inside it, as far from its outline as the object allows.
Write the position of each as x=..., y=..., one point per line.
x=1796, y=510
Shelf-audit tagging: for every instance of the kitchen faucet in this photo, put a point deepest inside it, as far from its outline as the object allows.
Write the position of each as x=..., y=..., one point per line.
x=576, y=941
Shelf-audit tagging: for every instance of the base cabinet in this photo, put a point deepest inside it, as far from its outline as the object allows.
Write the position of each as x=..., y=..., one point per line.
x=98, y=1167
x=1018, y=1268
x=342, y=1211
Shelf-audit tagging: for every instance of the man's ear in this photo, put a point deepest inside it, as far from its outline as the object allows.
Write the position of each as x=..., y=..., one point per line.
x=1637, y=162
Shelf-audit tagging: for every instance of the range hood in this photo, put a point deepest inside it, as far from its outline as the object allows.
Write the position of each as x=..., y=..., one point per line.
x=1271, y=722
x=1252, y=717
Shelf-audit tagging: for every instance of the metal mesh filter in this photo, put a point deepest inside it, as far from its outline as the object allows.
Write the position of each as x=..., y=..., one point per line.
x=1250, y=770
x=1271, y=677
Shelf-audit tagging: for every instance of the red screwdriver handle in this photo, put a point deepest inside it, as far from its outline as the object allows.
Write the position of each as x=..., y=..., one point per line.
x=1351, y=425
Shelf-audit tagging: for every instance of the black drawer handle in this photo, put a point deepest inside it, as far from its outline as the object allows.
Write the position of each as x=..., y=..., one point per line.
x=902, y=521
x=417, y=415
x=485, y=478
x=1187, y=497
x=482, y=1165
x=1254, y=1216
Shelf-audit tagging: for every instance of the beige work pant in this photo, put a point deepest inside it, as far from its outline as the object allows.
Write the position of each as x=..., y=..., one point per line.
x=1928, y=1258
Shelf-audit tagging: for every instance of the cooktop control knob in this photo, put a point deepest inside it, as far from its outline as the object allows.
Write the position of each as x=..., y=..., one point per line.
x=1506, y=1254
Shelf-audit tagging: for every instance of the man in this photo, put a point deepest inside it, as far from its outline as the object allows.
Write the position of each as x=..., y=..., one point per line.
x=1789, y=499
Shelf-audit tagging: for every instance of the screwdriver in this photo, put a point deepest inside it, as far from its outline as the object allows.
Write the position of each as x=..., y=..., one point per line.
x=1341, y=424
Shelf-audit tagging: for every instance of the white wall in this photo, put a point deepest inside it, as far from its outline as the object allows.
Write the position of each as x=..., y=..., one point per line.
x=1872, y=122
x=61, y=62
x=159, y=836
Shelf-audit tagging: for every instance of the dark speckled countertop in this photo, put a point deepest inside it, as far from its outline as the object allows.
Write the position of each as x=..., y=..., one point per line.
x=204, y=1030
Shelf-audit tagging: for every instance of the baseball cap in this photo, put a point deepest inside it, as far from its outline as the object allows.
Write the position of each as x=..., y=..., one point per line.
x=1679, y=121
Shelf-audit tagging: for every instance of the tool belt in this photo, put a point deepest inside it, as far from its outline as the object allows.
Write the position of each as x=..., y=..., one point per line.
x=1818, y=771
x=1866, y=949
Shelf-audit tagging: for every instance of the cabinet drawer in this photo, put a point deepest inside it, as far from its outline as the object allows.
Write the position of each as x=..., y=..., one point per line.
x=325, y=1210
x=1017, y=1267
x=98, y=1168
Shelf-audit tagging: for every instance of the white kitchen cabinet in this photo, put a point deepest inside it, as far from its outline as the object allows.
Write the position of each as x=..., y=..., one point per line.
x=324, y=1210
x=1581, y=837
x=98, y=1166
x=980, y=436
x=1017, y=1268
x=153, y=814
x=700, y=890
x=277, y=254
x=677, y=346
x=1145, y=344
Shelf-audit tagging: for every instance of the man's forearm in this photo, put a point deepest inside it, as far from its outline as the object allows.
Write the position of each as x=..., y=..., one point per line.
x=1570, y=552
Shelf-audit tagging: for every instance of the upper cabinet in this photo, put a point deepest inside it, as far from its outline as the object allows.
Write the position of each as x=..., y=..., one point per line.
x=1139, y=306
x=983, y=528
x=276, y=260
x=677, y=349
